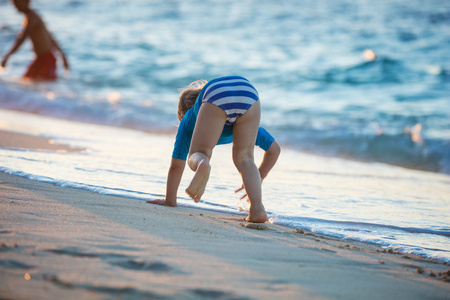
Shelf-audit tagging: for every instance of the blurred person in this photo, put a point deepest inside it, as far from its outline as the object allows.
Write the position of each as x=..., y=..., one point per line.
x=44, y=65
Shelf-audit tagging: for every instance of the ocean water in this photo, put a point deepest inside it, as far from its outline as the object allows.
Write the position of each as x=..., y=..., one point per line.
x=357, y=93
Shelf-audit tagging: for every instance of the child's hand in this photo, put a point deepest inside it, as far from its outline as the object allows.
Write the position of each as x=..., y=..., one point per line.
x=4, y=61
x=240, y=189
x=242, y=202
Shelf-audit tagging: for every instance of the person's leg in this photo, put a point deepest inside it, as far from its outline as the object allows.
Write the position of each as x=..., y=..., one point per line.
x=207, y=131
x=245, y=130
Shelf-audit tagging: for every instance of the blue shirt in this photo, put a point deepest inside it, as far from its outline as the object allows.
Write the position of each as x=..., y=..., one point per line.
x=184, y=135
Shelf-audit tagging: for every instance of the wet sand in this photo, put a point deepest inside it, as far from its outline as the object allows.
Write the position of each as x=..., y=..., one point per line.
x=58, y=242
x=16, y=140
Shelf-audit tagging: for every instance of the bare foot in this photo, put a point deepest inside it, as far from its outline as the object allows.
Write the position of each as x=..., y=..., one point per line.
x=198, y=184
x=257, y=215
x=162, y=202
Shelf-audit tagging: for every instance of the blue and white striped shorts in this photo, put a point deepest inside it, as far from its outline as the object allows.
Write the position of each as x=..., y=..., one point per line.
x=235, y=96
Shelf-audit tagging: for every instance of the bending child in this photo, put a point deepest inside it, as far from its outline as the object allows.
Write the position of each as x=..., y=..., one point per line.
x=44, y=65
x=225, y=110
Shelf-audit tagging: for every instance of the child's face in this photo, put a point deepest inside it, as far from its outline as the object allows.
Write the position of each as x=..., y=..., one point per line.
x=21, y=5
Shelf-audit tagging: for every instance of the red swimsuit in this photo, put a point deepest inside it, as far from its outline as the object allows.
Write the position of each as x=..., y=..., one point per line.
x=42, y=68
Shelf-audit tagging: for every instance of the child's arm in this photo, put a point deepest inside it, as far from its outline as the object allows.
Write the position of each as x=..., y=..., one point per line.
x=176, y=170
x=63, y=55
x=21, y=37
x=269, y=159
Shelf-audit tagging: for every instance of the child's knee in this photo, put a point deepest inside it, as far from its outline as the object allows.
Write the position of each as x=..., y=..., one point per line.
x=195, y=159
x=241, y=158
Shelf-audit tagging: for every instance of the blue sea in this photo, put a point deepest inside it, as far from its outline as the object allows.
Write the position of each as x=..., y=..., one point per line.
x=356, y=92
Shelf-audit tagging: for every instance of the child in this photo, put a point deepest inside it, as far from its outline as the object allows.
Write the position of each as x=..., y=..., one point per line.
x=225, y=110
x=44, y=65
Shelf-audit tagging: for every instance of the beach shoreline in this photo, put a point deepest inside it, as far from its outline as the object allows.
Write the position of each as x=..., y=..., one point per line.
x=63, y=242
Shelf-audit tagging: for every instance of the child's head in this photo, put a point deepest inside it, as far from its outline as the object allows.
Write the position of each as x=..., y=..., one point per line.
x=188, y=97
x=21, y=5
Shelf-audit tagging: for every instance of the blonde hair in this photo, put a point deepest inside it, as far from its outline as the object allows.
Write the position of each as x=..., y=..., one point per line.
x=188, y=96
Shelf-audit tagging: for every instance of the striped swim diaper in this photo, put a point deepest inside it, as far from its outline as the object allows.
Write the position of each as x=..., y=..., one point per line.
x=235, y=95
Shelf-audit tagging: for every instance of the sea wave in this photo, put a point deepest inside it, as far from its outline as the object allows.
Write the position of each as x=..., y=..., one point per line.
x=386, y=236
x=407, y=149
x=383, y=70
x=108, y=110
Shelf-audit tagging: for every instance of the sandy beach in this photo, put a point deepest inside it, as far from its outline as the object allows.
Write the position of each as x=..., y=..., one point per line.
x=10, y=139
x=354, y=92
x=67, y=243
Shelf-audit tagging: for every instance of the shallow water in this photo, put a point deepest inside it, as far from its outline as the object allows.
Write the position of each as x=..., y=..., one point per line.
x=324, y=96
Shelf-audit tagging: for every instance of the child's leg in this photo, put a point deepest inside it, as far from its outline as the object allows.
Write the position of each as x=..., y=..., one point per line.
x=208, y=128
x=245, y=130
